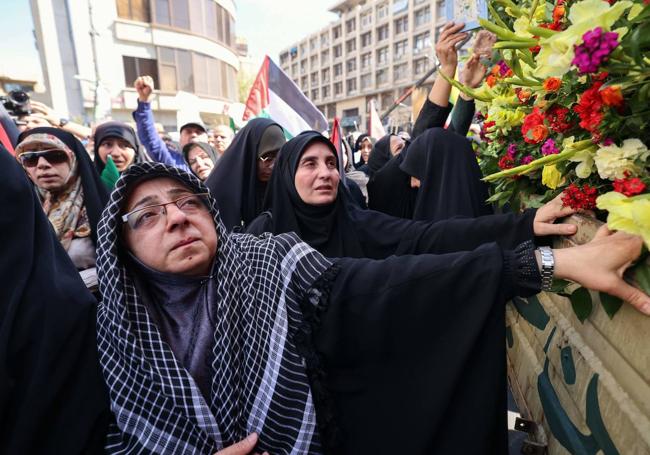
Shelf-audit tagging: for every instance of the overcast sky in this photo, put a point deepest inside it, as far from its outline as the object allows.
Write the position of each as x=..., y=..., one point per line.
x=268, y=25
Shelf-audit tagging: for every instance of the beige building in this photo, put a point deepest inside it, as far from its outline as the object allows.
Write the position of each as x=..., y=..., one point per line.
x=92, y=50
x=375, y=50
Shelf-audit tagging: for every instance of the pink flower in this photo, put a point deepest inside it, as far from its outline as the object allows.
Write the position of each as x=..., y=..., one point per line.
x=594, y=50
x=512, y=150
x=549, y=148
x=526, y=159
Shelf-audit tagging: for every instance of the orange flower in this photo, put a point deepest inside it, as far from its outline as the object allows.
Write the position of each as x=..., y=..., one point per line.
x=558, y=13
x=524, y=95
x=491, y=80
x=496, y=70
x=539, y=133
x=552, y=84
x=612, y=96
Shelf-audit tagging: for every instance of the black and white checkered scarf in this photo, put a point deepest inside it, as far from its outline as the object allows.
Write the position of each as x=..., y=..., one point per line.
x=259, y=373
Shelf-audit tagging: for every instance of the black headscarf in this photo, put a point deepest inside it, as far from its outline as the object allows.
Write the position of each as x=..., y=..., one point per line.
x=207, y=148
x=233, y=182
x=450, y=178
x=95, y=193
x=115, y=129
x=52, y=394
x=380, y=155
x=327, y=228
x=389, y=189
x=357, y=147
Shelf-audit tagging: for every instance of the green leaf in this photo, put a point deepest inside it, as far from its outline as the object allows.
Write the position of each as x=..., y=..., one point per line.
x=581, y=303
x=610, y=304
x=642, y=276
x=559, y=286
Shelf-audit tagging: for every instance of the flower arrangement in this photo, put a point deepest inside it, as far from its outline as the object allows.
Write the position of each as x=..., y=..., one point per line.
x=566, y=107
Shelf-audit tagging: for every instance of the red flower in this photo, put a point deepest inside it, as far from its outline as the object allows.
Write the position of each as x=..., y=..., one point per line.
x=552, y=84
x=629, y=186
x=580, y=198
x=557, y=119
x=612, y=96
x=506, y=162
x=491, y=80
x=558, y=13
x=589, y=108
x=533, y=129
x=536, y=49
x=524, y=94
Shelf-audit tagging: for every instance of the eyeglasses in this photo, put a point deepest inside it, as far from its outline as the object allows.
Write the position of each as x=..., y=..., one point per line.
x=53, y=156
x=268, y=157
x=204, y=157
x=147, y=217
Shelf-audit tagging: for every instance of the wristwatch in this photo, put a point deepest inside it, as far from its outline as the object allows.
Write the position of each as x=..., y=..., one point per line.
x=63, y=122
x=548, y=267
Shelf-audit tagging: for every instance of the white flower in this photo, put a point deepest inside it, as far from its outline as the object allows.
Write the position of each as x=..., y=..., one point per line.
x=613, y=162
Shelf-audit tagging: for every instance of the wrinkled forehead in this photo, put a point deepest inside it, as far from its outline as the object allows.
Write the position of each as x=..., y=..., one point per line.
x=154, y=190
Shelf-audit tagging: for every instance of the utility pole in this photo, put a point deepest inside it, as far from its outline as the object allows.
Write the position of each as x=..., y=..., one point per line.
x=93, y=39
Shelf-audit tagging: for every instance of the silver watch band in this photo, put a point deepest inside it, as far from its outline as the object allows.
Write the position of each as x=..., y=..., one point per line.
x=548, y=267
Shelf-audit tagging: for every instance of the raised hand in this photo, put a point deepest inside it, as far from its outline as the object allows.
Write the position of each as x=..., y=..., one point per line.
x=144, y=86
x=446, y=47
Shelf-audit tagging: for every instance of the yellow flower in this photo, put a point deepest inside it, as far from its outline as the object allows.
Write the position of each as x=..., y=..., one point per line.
x=613, y=162
x=629, y=214
x=551, y=177
x=556, y=52
x=585, y=158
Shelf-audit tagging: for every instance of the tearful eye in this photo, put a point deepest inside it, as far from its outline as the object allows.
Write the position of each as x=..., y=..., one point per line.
x=146, y=218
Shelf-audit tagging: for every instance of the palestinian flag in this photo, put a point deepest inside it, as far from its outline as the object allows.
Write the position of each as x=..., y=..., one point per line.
x=276, y=96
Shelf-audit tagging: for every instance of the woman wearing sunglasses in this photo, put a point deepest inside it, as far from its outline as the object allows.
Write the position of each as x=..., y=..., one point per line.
x=70, y=191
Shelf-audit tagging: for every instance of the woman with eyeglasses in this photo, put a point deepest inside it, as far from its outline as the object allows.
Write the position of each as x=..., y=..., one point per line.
x=70, y=190
x=206, y=336
x=200, y=157
x=239, y=179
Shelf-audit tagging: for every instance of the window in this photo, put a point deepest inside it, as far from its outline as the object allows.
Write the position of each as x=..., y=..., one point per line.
x=331, y=110
x=382, y=11
x=351, y=85
x=294, y=69
x=350, y=25
x=314, y=78
x=197, y=17
x=366, y=18
x=366, y=81
x=337, y=32
x=303, y=66
x=422, y=16
x=401, y=25
x=400, y=6
x=324, y=57
x=366, y=39
x=382, y=76
x=314, y=94
x=284, y=58
x=162, y=12
x=211, y=24
x=441, y=12
x=313, y=61
x=421, y=42
x=168, y=76
x=324, y=39
x=382, y=56
x=180, y=14
x=399, y=71
x=351, y=45
x=338, y=51
x=136, y=10
x=338, y=88
x=185, y=76
x=351, y=65
x=325, y=75
x=304, y=81
x=303, y=49
x=326, y=91
x=382, y=33
x=338, y=69
x=313, y=44
x=420, y=65
x=438, y=32
x=400, y=48
x=354, y=112
x=135, y=67
x=366, y=60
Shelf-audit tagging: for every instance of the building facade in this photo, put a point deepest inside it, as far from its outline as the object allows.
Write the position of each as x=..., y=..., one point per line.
x=375, y=50
x=93, y=50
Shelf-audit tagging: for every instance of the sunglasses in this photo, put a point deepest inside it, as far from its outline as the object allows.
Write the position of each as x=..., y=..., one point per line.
x=53, y=156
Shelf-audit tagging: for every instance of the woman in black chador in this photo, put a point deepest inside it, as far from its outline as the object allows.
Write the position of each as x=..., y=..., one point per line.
x=331, y=222
x=238, y=181
x=315, y=355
